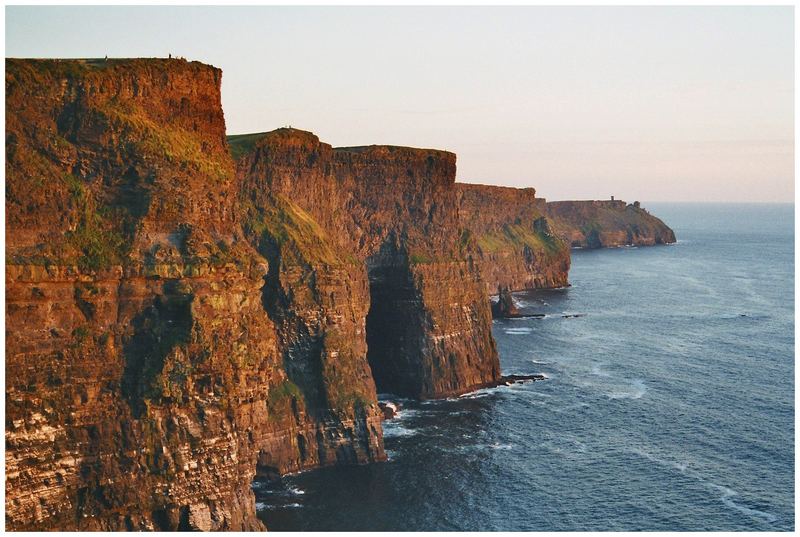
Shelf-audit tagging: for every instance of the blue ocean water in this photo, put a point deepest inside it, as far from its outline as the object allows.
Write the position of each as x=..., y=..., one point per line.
x=669, y=404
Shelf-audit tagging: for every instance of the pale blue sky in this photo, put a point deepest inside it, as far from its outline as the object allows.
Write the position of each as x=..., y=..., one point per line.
x=649, y=103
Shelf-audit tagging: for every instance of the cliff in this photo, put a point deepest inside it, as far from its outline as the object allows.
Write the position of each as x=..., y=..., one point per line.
x=394, y=211
x=507, y=232
x=187, y=312
x=600, y=224
x=156, y=360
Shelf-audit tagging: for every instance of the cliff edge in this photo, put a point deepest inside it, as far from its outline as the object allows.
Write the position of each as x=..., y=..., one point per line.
x=393, y=210
x=188, y=312
x=152, y=369
x=508, y=233
x=611, y=223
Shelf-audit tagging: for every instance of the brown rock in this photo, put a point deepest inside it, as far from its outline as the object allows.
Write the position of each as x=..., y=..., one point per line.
x=156, y=361
x=389, y=409
x=394, y=209
x=505, y=230
x=179, y=323
x=604, y=224
x=504, y=307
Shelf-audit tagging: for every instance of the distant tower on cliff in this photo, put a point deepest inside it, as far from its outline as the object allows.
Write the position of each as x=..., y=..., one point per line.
x=612, y=198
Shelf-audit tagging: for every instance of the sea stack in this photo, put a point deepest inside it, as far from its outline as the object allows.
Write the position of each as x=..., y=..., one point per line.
x=504, y=307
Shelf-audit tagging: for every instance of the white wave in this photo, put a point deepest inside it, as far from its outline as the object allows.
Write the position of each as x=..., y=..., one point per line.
x=680, y=466
x=571, y=407
x=389, y=397
x=470, y=395
x=393, y=428
x=727, y=494
x=296, y=491
x=515, y=331
x=637, y=392
x=597, y=369
x=483, y=392
x=565, y=447
x=539, y=362
x=261, y=506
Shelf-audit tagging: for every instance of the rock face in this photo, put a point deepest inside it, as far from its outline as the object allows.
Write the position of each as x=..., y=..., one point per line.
x=394, y=213
x=504, y=307
x=601, y=224
x=178, y=324
x=159, y=352
x=508, y=234
x=187, y=312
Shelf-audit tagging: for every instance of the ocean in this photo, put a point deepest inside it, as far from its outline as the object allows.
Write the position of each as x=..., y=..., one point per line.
x=669, y=402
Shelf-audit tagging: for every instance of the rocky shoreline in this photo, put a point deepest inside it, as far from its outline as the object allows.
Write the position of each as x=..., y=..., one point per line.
x=188, y=311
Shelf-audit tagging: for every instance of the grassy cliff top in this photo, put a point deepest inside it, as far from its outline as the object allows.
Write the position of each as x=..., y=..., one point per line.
x=77, y=67
x=242, y=144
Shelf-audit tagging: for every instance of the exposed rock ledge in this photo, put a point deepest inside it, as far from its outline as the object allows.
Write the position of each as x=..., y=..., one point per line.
x=180, y=321
x=603, y=224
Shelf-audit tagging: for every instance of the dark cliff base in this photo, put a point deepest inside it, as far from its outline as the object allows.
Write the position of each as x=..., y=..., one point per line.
x=187, y=312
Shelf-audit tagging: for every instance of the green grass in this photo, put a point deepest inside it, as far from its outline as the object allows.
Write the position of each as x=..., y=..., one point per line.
x=98, y=245
x=241, y=144
x=420, y=259
x=355, y=401
x=284, y=390
x=163, y=140
x=280, y=397
x=293, y=231
x=464, y=240
x=80, y=333
x=516, y=237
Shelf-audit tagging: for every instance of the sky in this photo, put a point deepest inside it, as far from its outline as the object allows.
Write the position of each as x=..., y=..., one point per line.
x=644, y=103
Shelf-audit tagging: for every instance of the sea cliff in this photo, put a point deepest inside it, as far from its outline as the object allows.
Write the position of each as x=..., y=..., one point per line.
x=607, y=223
x=510, y=236
x=188, y=312
x=393, y=210
x=156, y=361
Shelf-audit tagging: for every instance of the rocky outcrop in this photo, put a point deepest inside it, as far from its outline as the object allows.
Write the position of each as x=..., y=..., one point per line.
x=180, y=322
x=505, y=307
x=602, y=224
x=394, y=211
x=507, y=232
x=160, y=353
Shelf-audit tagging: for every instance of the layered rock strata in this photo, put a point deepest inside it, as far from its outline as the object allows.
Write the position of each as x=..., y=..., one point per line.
x=158, y=354
x=181, y=322
x=394, y=211
x=604, y=224
x=507, y=232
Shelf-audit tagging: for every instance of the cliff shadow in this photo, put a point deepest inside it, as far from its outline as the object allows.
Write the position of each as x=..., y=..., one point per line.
x=160, y=328
x=302, y=354
x=394, y=324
